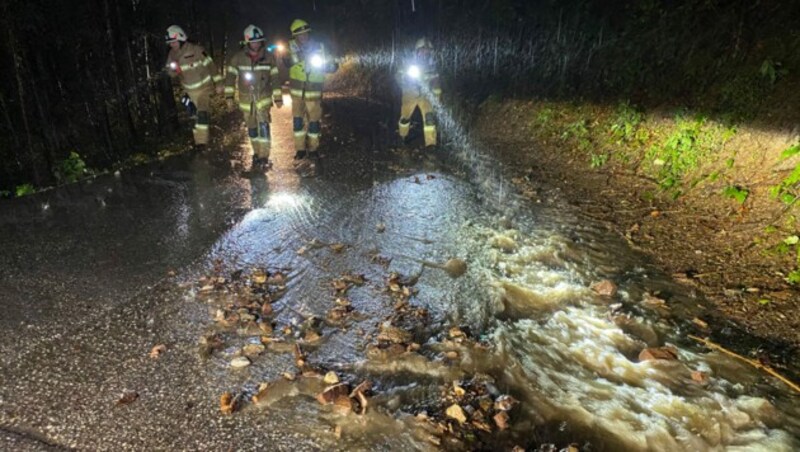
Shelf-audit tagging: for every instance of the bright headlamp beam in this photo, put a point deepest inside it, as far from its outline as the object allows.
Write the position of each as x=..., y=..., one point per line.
x=317, y=61
x=414, y=71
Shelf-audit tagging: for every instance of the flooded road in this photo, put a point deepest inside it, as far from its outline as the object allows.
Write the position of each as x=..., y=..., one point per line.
x=259, y=286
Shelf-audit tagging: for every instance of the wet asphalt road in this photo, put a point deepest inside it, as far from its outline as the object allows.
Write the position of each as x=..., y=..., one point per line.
x=93, y=275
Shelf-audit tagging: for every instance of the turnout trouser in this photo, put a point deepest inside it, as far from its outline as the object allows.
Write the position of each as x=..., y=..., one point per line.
x=304, y=109
x=257, y=118
x=202, y=100
x=412, y=101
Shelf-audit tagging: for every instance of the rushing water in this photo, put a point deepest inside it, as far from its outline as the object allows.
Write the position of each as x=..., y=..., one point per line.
x=569, y=355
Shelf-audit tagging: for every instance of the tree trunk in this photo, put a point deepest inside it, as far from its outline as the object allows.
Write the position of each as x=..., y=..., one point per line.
x=15, y=54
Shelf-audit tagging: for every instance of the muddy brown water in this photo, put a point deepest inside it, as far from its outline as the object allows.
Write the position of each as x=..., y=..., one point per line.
x=524, y=291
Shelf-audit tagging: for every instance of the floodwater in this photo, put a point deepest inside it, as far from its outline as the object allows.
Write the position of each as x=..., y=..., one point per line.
x=88, y=295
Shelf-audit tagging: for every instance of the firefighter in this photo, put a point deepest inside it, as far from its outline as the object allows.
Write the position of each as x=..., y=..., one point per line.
x=308, y=62
x=419, y=82
x=259, y=87
x=198, y=75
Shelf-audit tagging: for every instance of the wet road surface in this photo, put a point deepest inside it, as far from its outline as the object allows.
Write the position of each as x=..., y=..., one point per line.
x=96, y=274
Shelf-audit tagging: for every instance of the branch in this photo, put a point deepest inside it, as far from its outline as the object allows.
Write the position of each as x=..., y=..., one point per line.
x=752, y=362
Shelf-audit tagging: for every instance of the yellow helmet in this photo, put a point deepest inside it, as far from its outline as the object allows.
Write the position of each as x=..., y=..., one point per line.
x=253, y=34
x=423, y=43
x=175, y=33
x=299, y=26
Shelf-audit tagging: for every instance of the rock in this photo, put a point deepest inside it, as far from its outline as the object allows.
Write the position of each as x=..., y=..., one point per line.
x=330, y=394
x=380, y=227
x=451, y=355
x=501, y=420
x=288, y=376
x=454, y=411
x=505, y=403
x=658, y=353
x=240, y=362
x=331, y=378
x=605, y=288
x=458, y=390
x=253, y=349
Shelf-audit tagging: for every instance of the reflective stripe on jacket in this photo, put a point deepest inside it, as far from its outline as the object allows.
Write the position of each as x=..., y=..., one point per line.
x=192, y=66
x=257, y=80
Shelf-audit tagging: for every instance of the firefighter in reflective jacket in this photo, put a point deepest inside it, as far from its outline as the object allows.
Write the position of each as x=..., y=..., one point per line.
x=259, y=86
x=419, y=81
x=198, y=75
x=308, y=63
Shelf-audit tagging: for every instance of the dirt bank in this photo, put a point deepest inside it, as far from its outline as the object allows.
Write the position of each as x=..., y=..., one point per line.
x=701, y=197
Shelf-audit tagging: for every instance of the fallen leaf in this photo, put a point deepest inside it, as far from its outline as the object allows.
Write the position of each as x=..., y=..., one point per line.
x=156, y=351
x=605, y=288
x=658, y=353
x=259, y=277
x=331, y=378
x=127, y=397
x=454, y=411
x=501, y=420
x=228, y=403
x=261, y=394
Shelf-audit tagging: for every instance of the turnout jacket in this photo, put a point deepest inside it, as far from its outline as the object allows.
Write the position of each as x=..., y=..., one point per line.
x=194, y=68
x=428, y=79
x=255, y=76
x=305, y=80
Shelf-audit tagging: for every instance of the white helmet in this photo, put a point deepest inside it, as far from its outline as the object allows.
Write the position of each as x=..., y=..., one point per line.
x=253, y=34
x=423, y=43
x=175, y=33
